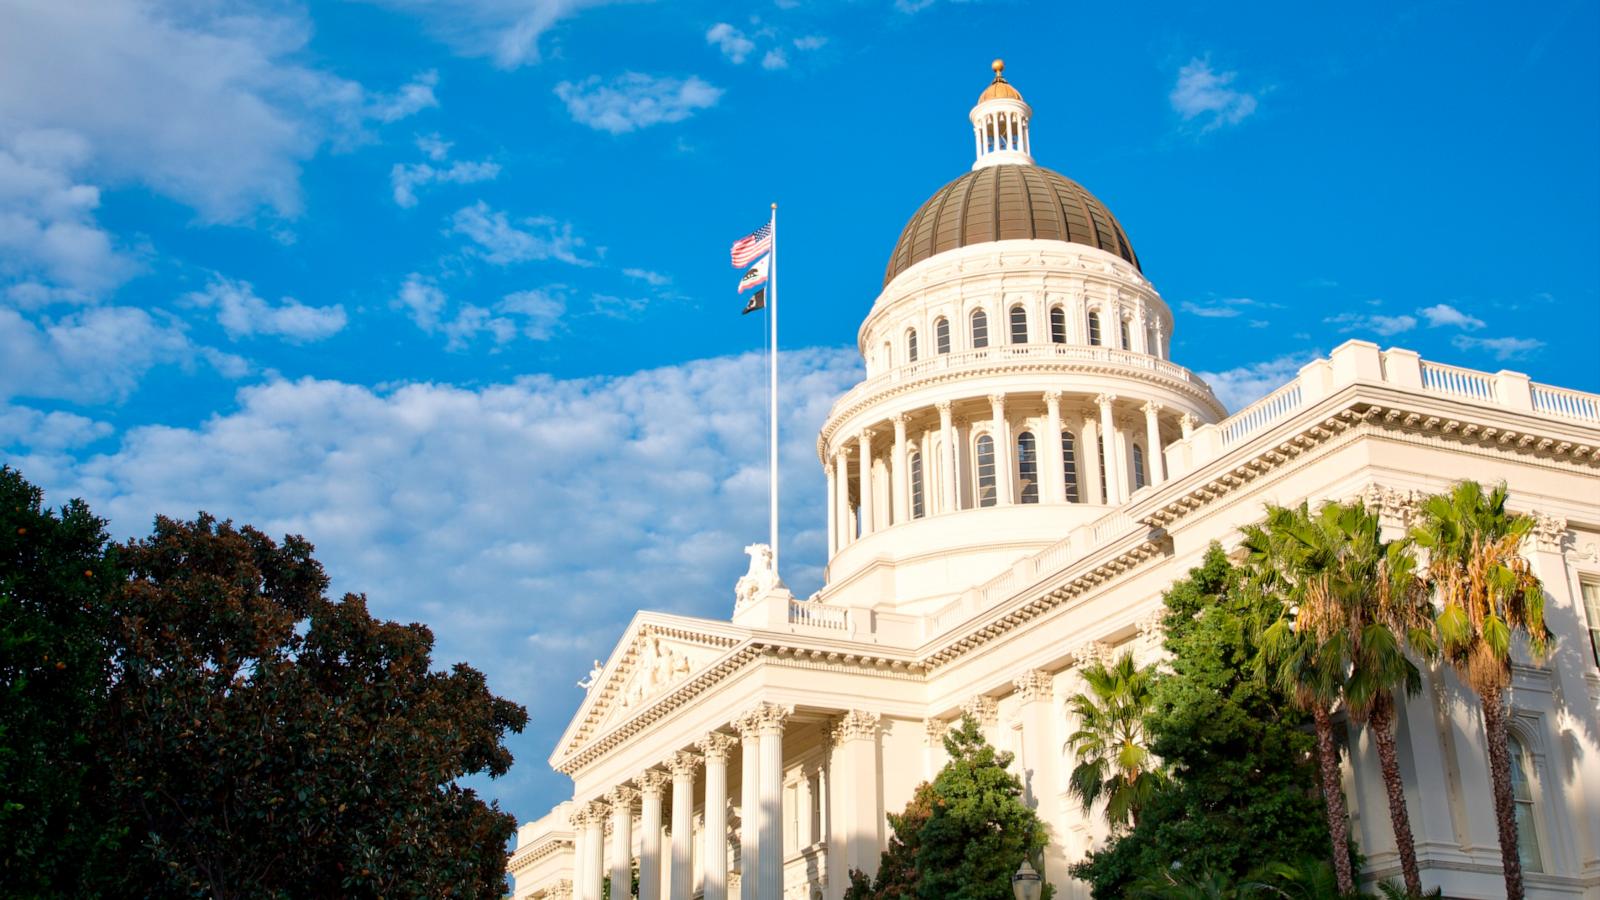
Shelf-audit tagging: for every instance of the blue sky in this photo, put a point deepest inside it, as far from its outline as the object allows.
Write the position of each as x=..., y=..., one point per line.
x=443, y=285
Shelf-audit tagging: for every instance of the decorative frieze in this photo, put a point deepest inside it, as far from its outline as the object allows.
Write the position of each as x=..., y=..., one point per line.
x=1034, y=684
x=1397, y=506
x=1549, y=532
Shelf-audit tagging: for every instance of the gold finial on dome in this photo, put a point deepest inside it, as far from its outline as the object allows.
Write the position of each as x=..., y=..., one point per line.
x=999, y=67
x=999, y=89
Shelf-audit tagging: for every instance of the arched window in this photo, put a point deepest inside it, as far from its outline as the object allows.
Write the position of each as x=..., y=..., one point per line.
x=980, y=329
x=986, y=496
x=1522, y=781
x=1019, y=325
x=1151, y=345
x=1028, y=467
x=1094, y=328
x=1127, y=342
x=917, y=506
x=1058, y=325
x=1069, y=465
x=941, y=335
x=1138, y=467
x=1100, y=451
x=911, y=345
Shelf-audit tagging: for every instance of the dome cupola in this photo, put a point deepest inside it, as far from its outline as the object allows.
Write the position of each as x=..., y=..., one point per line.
x=1000, y=123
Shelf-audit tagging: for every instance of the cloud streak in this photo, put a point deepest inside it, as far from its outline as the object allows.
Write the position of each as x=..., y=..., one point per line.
x=1209, y=98
x=633, y=100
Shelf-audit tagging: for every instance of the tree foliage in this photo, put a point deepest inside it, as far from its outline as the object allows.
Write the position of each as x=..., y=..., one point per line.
x=1243, y=789
x=241, y=733
x=1114, y=759
x=898, y=874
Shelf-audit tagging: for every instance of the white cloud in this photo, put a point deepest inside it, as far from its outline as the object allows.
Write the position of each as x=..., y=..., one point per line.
x=534, y=314
x=1222, y=308
x=206, y=103
x=412, y=98
x=242, y=314
x=810, y=42
x=1379, y=324
x=94, y=355
x=541, y=311
x=775, y=59
x=506, y=31
x=731, y=41
x=1241, y=386
x=654, y=279
x=48, y=431
x=406, y=178
x=633, y=100
x=1201, y=93
x=1445, y=315
x=1503, y=348
x=51, y=247
x=501, y=242
x=526, y=518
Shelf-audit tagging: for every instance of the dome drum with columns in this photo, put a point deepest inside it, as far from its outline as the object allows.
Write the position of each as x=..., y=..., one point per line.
x=1019, y=476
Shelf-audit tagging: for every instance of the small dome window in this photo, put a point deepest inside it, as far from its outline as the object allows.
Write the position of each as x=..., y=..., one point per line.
x=911, y=345
x=941, y=336
x=1019, y=325
x=1058, y=325
x=980, y=329
x=1094, y=328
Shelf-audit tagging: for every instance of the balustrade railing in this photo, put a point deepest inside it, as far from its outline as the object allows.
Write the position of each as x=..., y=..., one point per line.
x=817, y=615
x=1562, y=402
x=1258, y=415
x=1458, y=382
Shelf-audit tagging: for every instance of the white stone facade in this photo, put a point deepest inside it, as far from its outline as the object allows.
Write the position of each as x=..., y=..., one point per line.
x=758, y=757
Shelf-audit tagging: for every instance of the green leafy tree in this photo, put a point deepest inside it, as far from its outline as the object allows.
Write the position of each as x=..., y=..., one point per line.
x=54, y=574
x=979, y=830
x=1242, y=786
x=261, y=739
x=898, y=874
x=1114, y=759
x=1486, y=592
x=1305, y=651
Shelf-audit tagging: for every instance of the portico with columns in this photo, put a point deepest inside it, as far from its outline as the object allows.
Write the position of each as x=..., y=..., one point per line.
x=1018, y=477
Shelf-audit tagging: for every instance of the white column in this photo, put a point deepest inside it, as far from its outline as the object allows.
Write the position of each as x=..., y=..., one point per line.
x=651, y=783
x=1040, y=762
x=749, y=800
x=594, y=848
x=1088, y=461
x=833, y=511
x=1049, y=448
x=1123, y=468
x=1187, y=423
x=1154, y=462
x=947, y=480
x=901, y=473
x=933, y=756
x=864, y=508
x=1004, y=453
x=580, y=852
x=1108, y=446
x=857, y=734
x=1160, y=347
x=769, y=822
x=683, y=763
x=714, y=858
x=621, y=800
x=841, y=500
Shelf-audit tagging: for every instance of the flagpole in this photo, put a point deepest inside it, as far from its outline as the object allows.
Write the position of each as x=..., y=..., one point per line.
x=772, y=412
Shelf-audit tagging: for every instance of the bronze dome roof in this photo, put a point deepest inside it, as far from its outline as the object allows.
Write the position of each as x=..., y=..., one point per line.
x=1007, y=202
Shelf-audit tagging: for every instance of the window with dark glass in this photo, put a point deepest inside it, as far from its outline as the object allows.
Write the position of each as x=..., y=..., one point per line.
x=1058, y=325
x=1100, y=452
x=980, y=329
x=1591, y=608
x=986, y=494
x=1069, y=465
x=1522, y=781
x=1019, y=325
x=1094, y=329
x=1127, y=342
x=1028, y=468
x=941, y=336
x=917, y=506
x=911, y=345
x=1138, y=467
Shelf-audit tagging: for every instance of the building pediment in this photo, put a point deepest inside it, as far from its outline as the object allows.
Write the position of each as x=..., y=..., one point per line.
x=656, y=655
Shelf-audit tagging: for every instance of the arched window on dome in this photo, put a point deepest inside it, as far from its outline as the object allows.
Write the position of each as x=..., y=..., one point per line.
x=1058, y=325
x=941, y=336
x=1027, y=468
x=918, y=505
x=911, y=345
x=980, y=329
x=1127, y=342
x=1069, y=465
x=1523, y=780
x=1094, y=328
x=1019, y=325
x=1138, y=467
x=986, y=495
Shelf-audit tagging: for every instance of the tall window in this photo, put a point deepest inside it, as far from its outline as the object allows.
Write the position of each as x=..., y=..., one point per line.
x=1019, y=325
x=1151, y=346
x=1138, y=467
x=1522, y=781
x=1069, y=466
x=1028, y=467
x=911, y=345
x=1127, y=342
x=941, y=336
x=1094, y=328
x=1100, y=450
x=1591, y=606
x=986, y=495
x=917, y=507
x=980, y=329
x=1058, y=325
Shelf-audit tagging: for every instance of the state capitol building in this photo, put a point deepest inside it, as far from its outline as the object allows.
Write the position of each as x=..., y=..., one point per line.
x=1019, y=476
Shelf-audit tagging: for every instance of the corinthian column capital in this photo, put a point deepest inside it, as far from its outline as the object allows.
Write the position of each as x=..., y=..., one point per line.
x=717, y=746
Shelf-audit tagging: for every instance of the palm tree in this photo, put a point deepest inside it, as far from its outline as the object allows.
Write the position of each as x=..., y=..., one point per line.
x=1485, y=593
x=1386, y=606
x=1305, y=651
x=1114, y=760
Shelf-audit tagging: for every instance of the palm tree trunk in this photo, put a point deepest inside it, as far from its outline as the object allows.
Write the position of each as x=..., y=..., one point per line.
x=1381, y=721
x=1505, y=808
x=1333, y=799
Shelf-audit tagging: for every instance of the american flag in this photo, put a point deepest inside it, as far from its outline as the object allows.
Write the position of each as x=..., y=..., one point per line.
x=752, y=245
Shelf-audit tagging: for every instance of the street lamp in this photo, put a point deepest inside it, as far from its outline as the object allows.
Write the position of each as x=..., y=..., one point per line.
x=1026, y=884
